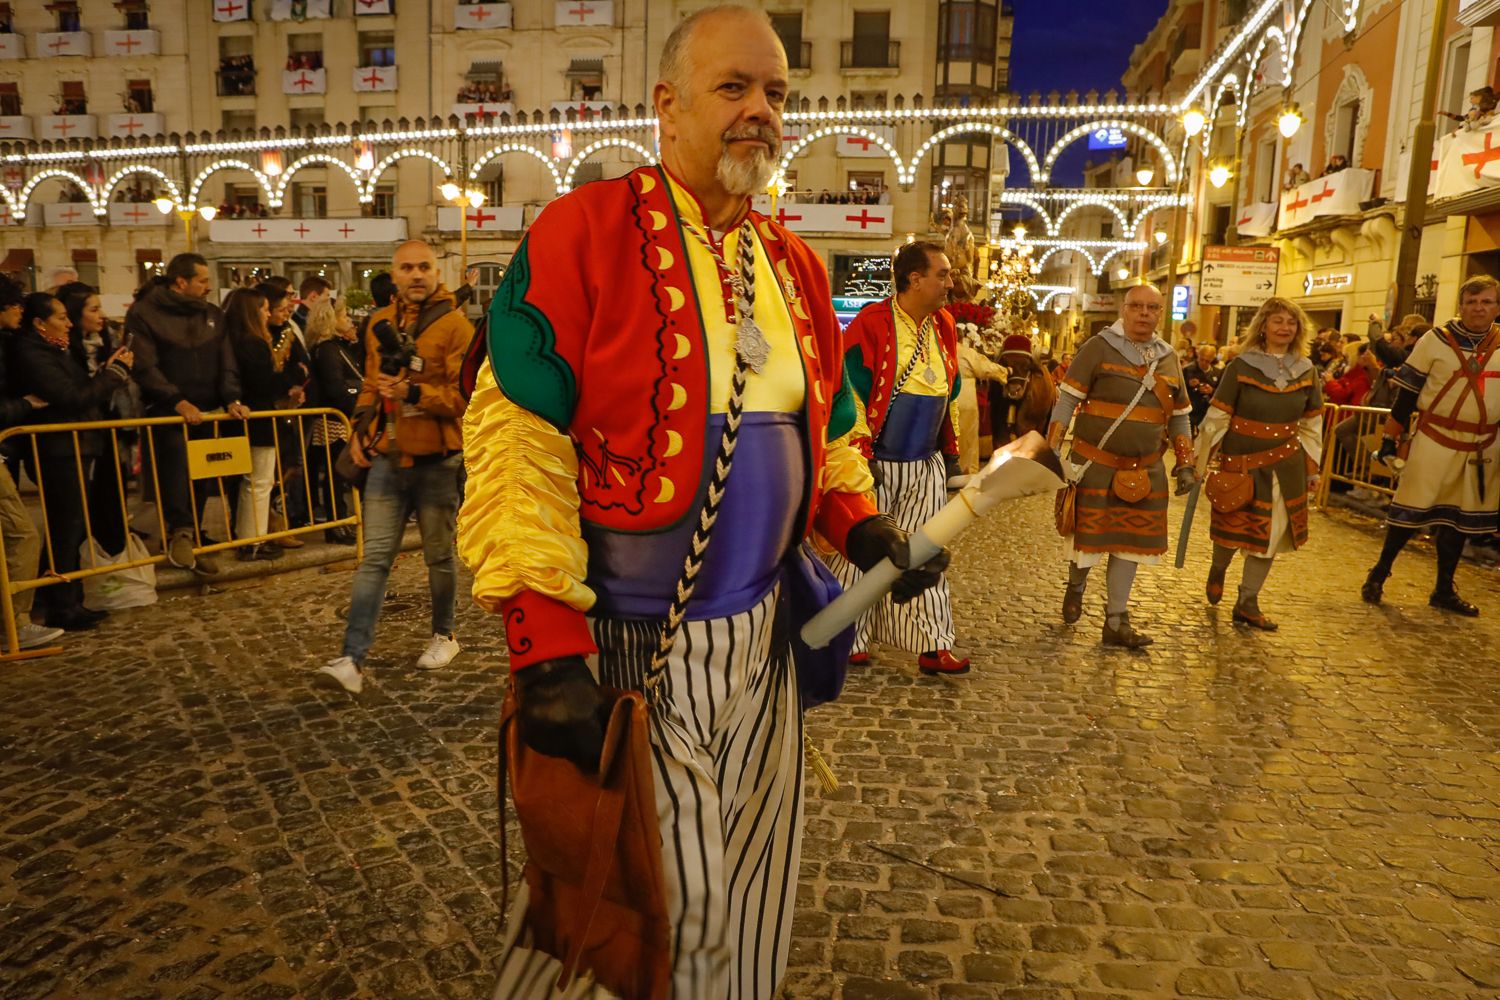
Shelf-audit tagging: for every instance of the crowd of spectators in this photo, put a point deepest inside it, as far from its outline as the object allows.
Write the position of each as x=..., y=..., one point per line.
x=268, y=346
x=304, y=60
x=484, y=93
x=239, y=210
x=236, y=75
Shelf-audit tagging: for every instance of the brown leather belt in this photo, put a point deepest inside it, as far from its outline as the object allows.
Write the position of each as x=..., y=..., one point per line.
x=1112, y=411
x=1261, y=430
x=1260, y=459
x=1433, y=425
x=1113, y=461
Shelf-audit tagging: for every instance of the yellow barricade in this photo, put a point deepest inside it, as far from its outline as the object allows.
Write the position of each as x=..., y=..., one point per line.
x=215, y=449
x=1351, y=436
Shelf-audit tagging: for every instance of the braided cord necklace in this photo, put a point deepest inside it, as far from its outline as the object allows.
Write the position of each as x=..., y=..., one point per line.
x=750, y=341
x=923, y=334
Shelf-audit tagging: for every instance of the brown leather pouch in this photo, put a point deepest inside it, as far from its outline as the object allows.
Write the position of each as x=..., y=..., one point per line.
x=1065, y=509
x=594, y=855
x=1229, y=491
x=1131, y=485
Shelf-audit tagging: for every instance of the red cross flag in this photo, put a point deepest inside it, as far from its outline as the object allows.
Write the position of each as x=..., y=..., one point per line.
x=481, y=16
x=1333, y=194
x=231, y=10
x=1466, y=161
x=372, y=78
x=368, y=7
x=581, y=13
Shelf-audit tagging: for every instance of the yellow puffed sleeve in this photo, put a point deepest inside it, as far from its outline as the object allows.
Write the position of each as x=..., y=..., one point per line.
x=518, y=527
x=844, y=468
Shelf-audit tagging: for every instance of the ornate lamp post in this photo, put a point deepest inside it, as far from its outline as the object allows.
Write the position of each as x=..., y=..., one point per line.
x=166, y=206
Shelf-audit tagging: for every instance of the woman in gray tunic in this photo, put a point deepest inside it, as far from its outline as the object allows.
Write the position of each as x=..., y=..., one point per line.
x=1265, y=427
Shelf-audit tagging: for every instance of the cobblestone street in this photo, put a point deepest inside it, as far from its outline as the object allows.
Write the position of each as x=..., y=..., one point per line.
x=1313, y=813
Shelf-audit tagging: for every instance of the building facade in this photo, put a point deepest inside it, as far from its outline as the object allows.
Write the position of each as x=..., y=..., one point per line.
x=321, y=130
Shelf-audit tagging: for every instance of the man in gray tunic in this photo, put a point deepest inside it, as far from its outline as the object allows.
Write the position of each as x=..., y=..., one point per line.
x=1125, y=395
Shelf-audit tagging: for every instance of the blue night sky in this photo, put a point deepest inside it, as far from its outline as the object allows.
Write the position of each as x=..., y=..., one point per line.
x=1087, y=48
x=1086, y=51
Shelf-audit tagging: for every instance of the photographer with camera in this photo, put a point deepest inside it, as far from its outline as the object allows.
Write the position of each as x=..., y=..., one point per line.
x=408, y=434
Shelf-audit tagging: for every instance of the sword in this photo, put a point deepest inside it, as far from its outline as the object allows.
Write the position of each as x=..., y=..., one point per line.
x=1187, y=523
x=1022, y=468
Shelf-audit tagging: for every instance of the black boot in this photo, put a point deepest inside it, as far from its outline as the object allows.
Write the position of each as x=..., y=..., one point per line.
x=1123, y=634
x=1450, y=601
x=1374, y=586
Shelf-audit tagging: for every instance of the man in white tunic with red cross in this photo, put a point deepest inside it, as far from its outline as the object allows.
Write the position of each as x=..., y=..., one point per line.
x=1451, y=481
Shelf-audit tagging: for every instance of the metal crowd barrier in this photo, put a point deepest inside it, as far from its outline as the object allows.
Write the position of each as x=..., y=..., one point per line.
x=1351, y=436
x=223, y=452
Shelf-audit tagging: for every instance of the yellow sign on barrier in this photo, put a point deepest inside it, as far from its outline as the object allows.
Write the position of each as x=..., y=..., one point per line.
x=209, y=458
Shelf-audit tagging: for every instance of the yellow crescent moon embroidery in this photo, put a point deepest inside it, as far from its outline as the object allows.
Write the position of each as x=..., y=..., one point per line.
x=684, y=346
x=615, y=474
x=664, y=258
x=674, y=445
x=675, y=299
x=818, y=391
x=783, y=269
x=797, y=308
x=768, y=233
x=658, y=221
x=808, y=346
x=648, y=183
x=668, y=491
x=679, y=398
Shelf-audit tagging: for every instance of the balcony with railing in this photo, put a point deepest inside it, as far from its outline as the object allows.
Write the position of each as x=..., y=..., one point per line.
x=134, y=125
x=12, y=45
x=75, y=126
x=869, y=53
x=14, y=127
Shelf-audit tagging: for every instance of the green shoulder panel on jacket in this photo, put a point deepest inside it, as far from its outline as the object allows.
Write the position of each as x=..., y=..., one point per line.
x=523, y=349
x=958, y=381
x=841, y=415
x=857, y=374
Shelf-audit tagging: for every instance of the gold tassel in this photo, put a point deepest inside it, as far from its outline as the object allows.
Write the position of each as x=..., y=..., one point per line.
x=819, y=765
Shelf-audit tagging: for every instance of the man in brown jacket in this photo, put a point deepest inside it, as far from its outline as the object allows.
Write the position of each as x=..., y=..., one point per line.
x=408, y=434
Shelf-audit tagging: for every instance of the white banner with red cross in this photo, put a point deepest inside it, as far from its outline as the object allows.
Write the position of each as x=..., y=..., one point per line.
x=372, y=78
x=481, y=16
x=1332, y=194
x=1258, y=219
x=304, y=81
x=1465, y=161
x=859, y=220
x=141, y=213
x=131, y=43
x=63, y=43
x=583, y=13
x=865, y=145
x=231, y=10
x=367, y=7
x=307, y=230
x=72, y=213
x=485, y=219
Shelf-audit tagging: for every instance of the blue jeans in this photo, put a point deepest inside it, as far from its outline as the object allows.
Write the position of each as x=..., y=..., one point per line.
x=390, y=495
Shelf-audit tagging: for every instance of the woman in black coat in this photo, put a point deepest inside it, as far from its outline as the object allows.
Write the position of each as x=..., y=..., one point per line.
x=46, y=366
x=91, y=346
x=338, y=361
x=268, y=378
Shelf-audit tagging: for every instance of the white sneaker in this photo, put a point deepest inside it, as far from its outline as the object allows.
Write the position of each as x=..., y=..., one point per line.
x=31, y=636
x=440, y=652
x=346, y=672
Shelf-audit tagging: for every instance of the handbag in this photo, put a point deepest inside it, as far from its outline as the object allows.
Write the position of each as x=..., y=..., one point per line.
x=808, y=587
x=344, y=467
x=1131, y=485
x=1229, y=491
x=596, y=898
x=1065, y=510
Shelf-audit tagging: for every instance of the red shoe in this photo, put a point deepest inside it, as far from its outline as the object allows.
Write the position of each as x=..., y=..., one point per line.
x=942, y=662
x=859, y=659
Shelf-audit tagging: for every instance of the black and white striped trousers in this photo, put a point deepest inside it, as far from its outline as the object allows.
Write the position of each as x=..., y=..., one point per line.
x=729, y=799
x=911, y=492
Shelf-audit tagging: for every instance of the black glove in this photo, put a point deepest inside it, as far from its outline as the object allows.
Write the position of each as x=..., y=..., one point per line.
x=876, y=538
x=560, y=710
x=1187, y=478
x=876, y=474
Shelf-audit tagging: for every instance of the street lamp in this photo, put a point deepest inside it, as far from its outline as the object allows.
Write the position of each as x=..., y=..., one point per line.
x=1123, y=272
x=1160, y=236
x=166, y=206
x=1193, y=122
x=1219, y=174
x=465, y=199
x=1290, y=120
x=1145, y=175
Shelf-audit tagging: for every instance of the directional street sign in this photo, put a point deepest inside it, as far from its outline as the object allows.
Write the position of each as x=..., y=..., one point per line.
x=1238, y=276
